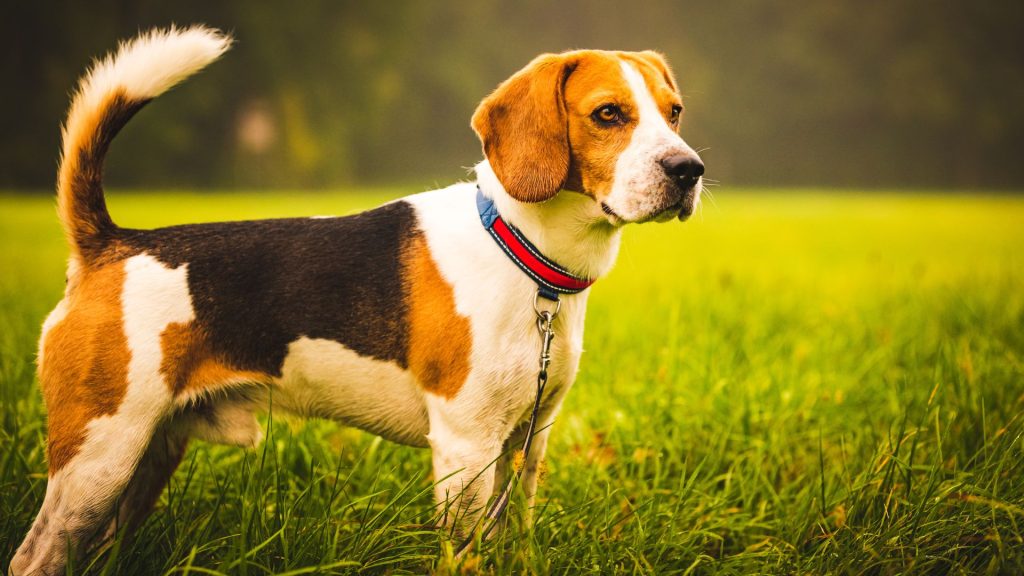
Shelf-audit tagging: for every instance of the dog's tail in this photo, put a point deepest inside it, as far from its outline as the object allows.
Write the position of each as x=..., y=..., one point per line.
x=109, y=94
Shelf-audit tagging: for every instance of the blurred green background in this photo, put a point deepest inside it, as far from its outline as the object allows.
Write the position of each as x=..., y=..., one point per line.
x=326, y=93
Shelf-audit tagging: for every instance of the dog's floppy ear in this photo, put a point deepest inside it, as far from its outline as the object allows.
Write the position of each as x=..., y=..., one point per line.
x=523, y=126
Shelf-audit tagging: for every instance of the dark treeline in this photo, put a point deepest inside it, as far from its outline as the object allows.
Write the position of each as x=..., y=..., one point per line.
x=329, y=92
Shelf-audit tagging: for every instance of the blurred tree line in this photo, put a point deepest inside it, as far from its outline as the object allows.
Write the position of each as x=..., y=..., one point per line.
x=333, y=92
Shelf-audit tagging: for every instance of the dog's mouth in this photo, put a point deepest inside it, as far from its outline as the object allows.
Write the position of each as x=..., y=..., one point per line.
x=613, y=217
x=682, y=207
x=688, y=204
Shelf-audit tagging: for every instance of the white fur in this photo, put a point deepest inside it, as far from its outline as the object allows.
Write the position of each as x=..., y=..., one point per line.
x=55, y=317
x=468, y=431
x=571, y=226
x=154, y=296
x=322, y=378
x=150, y=64
x=640, y=186
x=228, y=420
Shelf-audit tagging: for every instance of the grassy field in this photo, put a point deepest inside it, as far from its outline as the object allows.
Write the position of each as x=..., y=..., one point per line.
x=791, y=383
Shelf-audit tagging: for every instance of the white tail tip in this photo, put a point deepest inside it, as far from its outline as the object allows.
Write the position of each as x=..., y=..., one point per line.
x=153, y=62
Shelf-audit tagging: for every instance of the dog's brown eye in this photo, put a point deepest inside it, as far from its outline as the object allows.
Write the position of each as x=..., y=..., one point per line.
x=608, y=114
x=676, y=111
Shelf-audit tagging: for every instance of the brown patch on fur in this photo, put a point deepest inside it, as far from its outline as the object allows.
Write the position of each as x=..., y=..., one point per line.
x=87, y=136
x=657, y=61
x=84, y=372
x=596, y=148
x=189, y=363
x=658, y=78
x=440, y=339
x=522, y=126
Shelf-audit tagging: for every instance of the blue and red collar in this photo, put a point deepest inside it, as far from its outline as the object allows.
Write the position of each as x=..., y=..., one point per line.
x=551, y=278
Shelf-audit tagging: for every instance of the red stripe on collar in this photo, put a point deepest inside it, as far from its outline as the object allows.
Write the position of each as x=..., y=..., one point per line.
x=551, y=278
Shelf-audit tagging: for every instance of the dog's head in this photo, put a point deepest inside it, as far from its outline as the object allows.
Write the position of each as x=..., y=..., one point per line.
x=601, y=123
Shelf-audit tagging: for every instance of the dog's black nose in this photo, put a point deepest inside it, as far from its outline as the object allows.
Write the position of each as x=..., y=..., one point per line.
x=685, y=169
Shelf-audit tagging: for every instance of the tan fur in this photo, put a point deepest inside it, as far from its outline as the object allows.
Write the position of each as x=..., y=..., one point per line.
x=80, y=203
x=440, y=339
x=85, y=371
x=595, y=83
x=189, y=364
x=522, y=127
x=658, y=78
x=540, y=135
x=657, y=61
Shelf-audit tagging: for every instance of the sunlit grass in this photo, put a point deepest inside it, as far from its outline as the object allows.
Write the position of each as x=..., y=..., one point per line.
x=807, y=382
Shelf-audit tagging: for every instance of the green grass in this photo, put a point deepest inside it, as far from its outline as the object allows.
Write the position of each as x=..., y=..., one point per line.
x=792, y=383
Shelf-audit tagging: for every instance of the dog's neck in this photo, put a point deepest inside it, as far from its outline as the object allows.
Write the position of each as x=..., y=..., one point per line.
x=570, y=229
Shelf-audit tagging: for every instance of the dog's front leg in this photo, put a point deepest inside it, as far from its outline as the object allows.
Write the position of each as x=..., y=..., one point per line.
x=465, y=448
x=531, y=467
x=512, y=457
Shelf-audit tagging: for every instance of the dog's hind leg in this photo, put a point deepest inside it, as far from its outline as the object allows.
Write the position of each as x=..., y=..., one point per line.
x=228, y=420
x=106, y=397
x=151, y=476
x=82, y=494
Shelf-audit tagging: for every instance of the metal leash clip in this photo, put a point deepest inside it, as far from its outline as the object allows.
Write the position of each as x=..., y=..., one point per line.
x=545, y=322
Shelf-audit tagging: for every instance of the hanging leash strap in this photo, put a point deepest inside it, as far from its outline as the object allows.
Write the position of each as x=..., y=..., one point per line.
x=545, y=321
x=552, y=280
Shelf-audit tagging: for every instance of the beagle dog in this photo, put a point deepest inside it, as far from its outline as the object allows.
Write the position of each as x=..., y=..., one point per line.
x=413, y=321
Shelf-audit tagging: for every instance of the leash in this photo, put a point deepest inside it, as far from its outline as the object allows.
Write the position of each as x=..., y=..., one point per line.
x=551, y=280
x=545, y=321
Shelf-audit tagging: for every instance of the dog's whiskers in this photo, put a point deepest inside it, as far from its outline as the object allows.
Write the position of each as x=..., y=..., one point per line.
x=705, y=192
